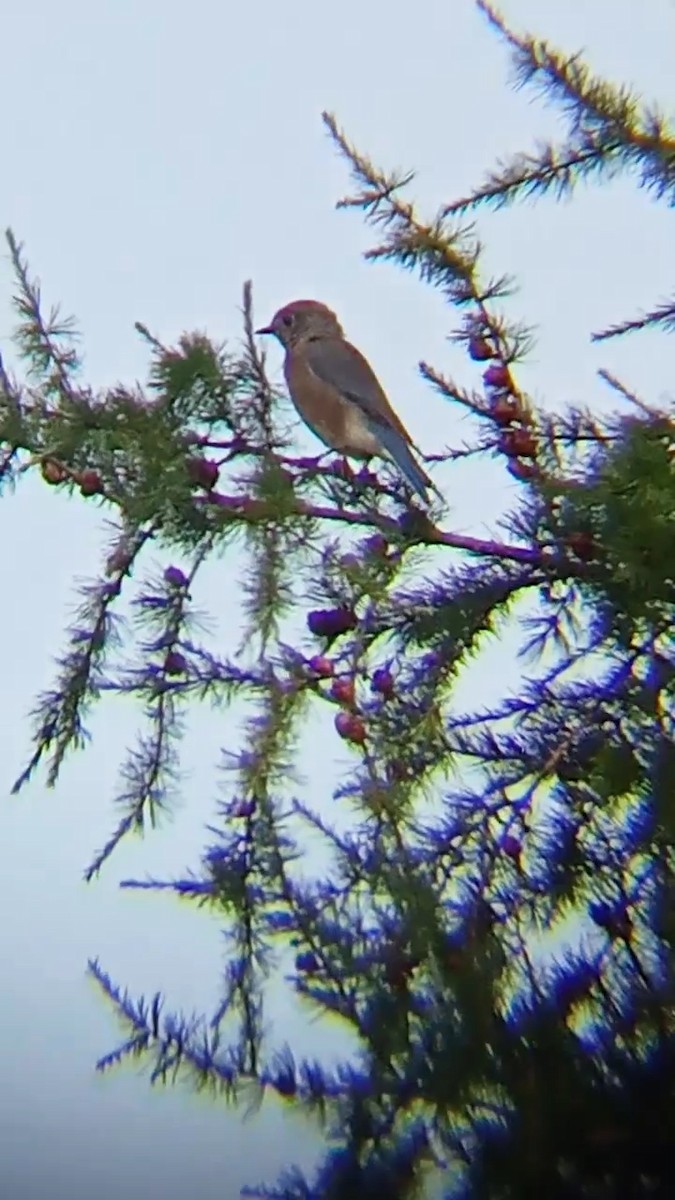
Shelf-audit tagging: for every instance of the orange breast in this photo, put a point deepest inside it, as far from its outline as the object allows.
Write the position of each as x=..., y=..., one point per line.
x=336, y=421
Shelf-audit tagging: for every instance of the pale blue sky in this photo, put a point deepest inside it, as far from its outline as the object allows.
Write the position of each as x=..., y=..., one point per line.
x=155, y=155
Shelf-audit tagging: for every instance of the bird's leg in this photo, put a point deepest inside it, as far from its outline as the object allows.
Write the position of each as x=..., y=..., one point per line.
x=343, y=469
x=357, y=480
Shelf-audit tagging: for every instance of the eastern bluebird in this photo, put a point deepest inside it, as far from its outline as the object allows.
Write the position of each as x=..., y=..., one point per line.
x=337, y=393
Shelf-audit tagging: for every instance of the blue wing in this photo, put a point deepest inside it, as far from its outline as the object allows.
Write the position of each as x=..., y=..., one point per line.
x=339, y=364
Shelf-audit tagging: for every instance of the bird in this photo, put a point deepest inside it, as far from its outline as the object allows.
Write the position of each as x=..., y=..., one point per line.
x=337, y=393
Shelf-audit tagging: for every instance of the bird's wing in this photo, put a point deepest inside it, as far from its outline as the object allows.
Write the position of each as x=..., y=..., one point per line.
x=340, y=365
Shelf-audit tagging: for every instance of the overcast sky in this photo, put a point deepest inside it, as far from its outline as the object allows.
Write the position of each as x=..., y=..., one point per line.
x=156, y=155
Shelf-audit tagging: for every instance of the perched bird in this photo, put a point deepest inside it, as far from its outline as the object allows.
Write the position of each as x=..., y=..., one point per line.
x=336, y=392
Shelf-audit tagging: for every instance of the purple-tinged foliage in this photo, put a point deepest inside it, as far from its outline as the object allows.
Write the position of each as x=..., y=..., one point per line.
x=175, y=577
x=331, y=622
x=173, y=1041
x=307, y=962
x=186, y=889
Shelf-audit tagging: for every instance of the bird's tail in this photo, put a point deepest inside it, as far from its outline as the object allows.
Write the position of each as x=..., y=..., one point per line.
x=400, y=452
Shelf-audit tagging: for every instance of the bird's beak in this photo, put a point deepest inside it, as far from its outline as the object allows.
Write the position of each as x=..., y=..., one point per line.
x=265, y=329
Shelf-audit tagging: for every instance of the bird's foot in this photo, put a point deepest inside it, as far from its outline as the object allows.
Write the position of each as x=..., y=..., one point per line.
x=343, y=470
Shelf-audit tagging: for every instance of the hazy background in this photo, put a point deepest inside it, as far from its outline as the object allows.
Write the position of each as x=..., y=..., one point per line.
x=155, y=155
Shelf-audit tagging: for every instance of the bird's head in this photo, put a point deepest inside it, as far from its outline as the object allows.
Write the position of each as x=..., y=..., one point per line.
x=303, y=319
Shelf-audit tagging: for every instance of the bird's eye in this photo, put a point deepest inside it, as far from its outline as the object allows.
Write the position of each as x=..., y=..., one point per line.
x=287, y=319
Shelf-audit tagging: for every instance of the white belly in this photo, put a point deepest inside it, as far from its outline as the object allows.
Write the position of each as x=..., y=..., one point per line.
x=360, y=442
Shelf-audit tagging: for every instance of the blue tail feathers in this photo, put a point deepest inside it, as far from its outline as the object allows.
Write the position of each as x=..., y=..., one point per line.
x=402, y=455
